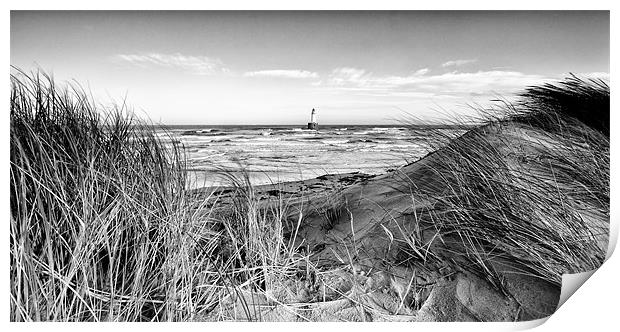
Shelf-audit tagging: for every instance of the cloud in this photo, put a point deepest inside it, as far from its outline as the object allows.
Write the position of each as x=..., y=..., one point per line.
x=455, y=84
x=348, y=76
x=198, y=65
x=457, y=63
x=422, y=71
x=283, y=73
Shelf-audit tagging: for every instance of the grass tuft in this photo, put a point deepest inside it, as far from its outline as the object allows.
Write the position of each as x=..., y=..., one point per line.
x=100, y=227
x=511, y=194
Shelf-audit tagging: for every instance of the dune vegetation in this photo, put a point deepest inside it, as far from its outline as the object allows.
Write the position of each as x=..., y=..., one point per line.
x=103, y=227
x=531, y=185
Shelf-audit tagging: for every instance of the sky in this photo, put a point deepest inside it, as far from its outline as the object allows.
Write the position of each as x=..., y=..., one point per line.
x=241, y=67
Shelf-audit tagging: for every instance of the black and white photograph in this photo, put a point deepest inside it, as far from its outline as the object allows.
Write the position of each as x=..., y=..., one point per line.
x=305, y=165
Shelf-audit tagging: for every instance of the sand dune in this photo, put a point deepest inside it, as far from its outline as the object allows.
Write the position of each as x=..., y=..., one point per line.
x=383, y=257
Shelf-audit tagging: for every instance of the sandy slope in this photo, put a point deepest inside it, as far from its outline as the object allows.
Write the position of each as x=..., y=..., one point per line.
x=359, y=237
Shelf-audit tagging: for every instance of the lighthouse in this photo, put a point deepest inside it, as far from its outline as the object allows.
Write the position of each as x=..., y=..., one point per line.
x=313, y=124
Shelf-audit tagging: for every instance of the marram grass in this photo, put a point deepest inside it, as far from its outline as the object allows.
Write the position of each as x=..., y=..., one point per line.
x=103, y=228
x=527, y=191
x=100, y=228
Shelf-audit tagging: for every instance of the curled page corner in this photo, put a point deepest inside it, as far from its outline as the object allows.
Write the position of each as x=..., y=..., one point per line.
x=571, y=283
x=613, y=238
x=529, y=324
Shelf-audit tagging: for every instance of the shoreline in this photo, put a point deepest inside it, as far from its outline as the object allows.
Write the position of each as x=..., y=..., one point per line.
x=307, y=189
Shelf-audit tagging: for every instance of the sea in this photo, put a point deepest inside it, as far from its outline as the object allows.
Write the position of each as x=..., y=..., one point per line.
x=280, y=153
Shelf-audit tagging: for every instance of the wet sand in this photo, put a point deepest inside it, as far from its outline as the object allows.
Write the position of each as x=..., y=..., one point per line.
x=294, y=190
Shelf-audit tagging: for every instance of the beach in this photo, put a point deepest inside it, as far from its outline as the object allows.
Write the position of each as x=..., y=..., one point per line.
x=115, y=219
x=291, y=191
x=282, y=153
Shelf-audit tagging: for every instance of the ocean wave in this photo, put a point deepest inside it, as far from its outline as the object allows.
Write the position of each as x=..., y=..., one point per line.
x=203, y=133
x=335, y=141
x=388, y=128
x=363, y=140
x=308, y=137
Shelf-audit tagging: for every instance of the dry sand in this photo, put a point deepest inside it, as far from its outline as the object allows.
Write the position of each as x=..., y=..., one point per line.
x=355, y=230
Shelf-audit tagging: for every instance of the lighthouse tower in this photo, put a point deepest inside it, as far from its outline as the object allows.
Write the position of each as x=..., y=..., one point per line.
x=313, y=124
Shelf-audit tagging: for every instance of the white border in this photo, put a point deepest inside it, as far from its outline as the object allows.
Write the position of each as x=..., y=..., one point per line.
x=592, y=307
